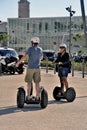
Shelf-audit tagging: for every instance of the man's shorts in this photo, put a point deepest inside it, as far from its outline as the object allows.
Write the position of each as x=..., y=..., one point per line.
x=33, y=74
x=63, y=72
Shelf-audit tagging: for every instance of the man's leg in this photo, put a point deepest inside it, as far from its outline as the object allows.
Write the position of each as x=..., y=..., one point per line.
x=37, y=89
x=37, y=79
x=28, y=89
x=28, y=79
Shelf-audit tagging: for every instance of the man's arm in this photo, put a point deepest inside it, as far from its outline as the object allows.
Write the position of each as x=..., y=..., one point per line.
x=41, y=55
x=22, y=59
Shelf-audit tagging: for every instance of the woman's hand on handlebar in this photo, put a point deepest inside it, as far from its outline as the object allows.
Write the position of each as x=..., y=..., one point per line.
x=60, y=63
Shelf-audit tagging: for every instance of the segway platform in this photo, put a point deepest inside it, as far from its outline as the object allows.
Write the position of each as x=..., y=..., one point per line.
x=21, y=98
x=69, y=94
x=33, y=100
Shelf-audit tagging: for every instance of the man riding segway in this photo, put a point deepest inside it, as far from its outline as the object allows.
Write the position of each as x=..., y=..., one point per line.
x=34, y=54
x=33, y=72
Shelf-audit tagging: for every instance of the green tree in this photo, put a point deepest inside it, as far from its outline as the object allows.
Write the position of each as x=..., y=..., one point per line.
x=77, y=36
x=80, y=52
x=4, y=39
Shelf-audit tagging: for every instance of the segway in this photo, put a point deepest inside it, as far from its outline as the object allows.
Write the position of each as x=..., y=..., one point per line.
x=69, y=94
x=21, y=98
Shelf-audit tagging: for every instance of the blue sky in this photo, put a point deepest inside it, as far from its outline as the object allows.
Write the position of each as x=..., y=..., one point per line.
x=40, y=8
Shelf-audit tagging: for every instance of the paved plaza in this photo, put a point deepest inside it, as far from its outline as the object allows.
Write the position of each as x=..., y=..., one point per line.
x=57, y=116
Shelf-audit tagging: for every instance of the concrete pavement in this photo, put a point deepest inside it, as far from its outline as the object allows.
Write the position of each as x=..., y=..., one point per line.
x=57, y=116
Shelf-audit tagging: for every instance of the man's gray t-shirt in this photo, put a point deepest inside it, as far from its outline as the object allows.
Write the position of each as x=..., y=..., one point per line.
x=34, y=54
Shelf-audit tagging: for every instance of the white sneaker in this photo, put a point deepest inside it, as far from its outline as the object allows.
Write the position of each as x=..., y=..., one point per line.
x=28, y=98
x=37, y=98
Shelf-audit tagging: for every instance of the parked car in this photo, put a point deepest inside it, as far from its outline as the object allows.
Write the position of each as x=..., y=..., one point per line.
x=48, y=54
x=5, y=51
x=79, y=58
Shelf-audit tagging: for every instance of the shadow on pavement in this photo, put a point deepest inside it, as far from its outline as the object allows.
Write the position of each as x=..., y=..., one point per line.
x=64, y=101
x=9, y=110
x=13, y=109
x=81, y=97
x=31, y=107
x=57, y=102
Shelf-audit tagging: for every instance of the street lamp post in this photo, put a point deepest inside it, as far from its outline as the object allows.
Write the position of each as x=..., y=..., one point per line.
x=71, y=12
x=84, y=19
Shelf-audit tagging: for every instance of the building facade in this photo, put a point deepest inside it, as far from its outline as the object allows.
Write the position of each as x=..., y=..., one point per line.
x=52, y=31
x=3, y=27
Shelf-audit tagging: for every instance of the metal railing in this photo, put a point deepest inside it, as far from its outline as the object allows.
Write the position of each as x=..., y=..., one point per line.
x=83, y=66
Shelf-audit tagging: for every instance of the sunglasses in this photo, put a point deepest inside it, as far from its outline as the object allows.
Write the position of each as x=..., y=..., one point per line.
x=62, y=47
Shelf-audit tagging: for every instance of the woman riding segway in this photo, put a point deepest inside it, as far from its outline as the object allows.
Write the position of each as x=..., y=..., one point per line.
x=63, y=66
x=62, y=63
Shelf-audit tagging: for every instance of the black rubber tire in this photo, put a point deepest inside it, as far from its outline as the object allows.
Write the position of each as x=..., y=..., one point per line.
x=44, y=99
x=55, y=93
x=70, y=94
x=20, y=98
x=12, y=70
x=20, y=72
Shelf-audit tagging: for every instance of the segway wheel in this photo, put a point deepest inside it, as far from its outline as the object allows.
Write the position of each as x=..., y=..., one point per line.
x=70, y=94
x=20, y=97
x=56, y=91
x=44, y=98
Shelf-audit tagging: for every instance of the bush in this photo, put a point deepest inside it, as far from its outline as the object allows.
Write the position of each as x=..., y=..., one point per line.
x=44, y=64
x=78, y=66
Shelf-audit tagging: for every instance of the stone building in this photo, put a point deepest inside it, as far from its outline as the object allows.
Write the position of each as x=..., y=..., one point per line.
x=3, y=27
x=23, y=9
x=51, y=30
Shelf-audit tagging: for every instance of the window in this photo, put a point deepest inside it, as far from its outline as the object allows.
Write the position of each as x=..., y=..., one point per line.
x=46, y=27
x=28, y=26
x=55, y=26
x=40, y=27
x=58, y=26
x=33, y=28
